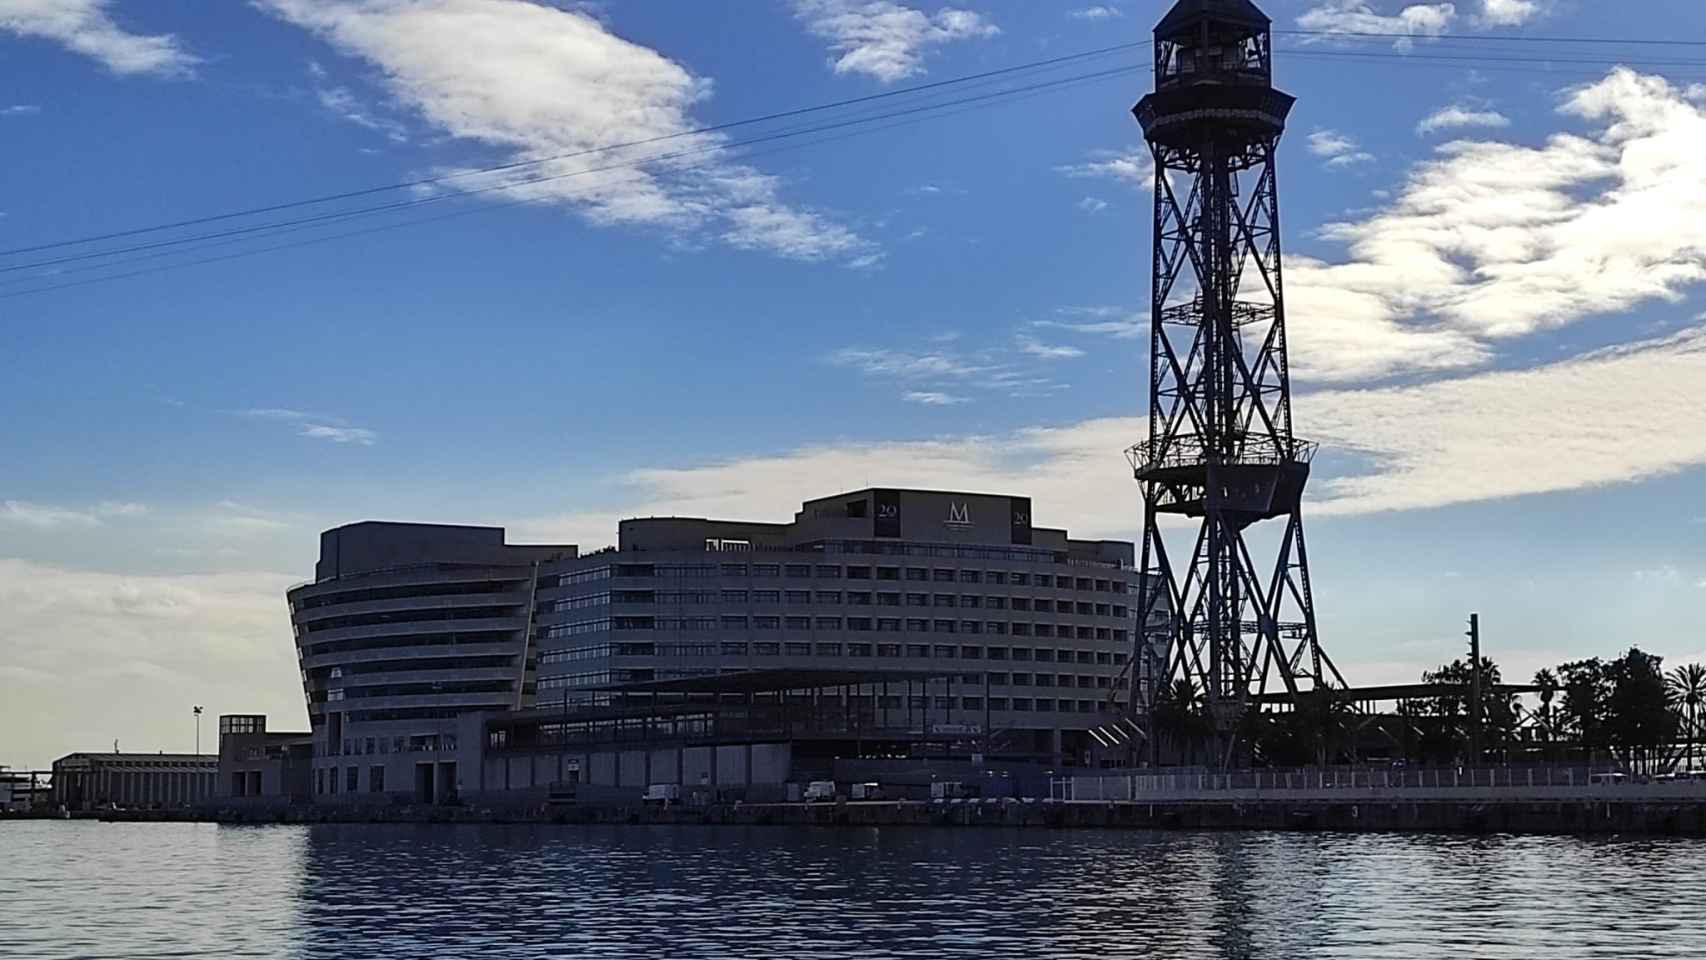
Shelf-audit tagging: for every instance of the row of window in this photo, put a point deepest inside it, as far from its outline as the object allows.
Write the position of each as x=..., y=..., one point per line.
x=831, y=571
x=326, y=779
x=853, y=598
x=739, y=648
x=854, y=624
x=425, y=743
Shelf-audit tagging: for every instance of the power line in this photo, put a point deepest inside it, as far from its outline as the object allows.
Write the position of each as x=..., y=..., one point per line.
x=518, y=164
x=978, y=103
x=655, y=158
x=1480, y=37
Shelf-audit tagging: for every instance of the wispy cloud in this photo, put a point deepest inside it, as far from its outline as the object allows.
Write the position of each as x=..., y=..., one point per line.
x=1117, y=322
x=1512, y=13
x=20, y=110
x=1338, y=149
x=342, y=103
x=48, y=516
x=316, y=426
x=1135, y=167
x=931, y=398
x=538, y=81
x=87, y=27
x=1046, y=351
x=1100, y=11
x=899, y=363
x=885, y=40
x=1459, y=115
x=1092, y=205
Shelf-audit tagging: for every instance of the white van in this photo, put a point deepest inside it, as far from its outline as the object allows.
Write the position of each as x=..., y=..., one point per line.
x=1608, y=777
x=663, y=793
x=820, y=791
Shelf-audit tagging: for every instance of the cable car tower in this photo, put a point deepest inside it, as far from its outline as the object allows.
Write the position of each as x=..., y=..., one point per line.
x=1220, y=451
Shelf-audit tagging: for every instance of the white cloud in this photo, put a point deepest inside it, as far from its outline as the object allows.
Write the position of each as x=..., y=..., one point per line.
x=931, y=398
x=1092, y=205
x=76, y=638
x=883, y=39
x=341, y=102
x=47, y=516
x=1564, y=426
x=1459, y=115
x=539, y=82
x=1116, y=322
x=20, y=110
x=1337, y=149
x=355, y=435
x=1481, y=437
x=1097, y=12
x=1357, y=16
x=1047, y=351
x=1489, y=241
x=87, y=27
x=904, y=365
x=316, y=426
x=1511, y=13
x=1136, y=167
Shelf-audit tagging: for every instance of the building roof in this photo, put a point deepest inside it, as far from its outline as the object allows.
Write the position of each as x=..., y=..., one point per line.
x=1187, y=12
x=210, y=758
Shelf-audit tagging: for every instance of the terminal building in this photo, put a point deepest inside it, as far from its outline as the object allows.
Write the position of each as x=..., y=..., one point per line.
x=145, y=781
x=440, y=661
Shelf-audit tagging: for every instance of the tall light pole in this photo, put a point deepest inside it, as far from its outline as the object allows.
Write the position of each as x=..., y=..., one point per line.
x=197, y=711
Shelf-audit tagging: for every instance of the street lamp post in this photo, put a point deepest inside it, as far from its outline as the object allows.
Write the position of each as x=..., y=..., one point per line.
x=197, y=711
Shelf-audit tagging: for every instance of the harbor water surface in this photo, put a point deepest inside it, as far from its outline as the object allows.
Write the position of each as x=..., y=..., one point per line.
x=88, y=889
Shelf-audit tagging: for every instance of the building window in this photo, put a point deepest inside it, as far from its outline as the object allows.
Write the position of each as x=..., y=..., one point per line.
x=735, y=596
x=1021, y=603
x=1043, y=580
x=971, y=653
x=944, y=600
x=732, y=648
x=945, y=651
x=973, y=703
x=320, y=781
x=1044, y=629
x=888, y=573
x=734, y=569
x=997, y=653
x=828, y=623
x=858, y=573
x=858, y=649
x=766, y=570
x=943, y=576
x=971, y=626
x=888, y=649
x=352, y=779
x=917, y=573
x=766, y=596
x=1021, y=630
x=888, y=624
x=1044, y=655
x=994, y=576
x=1021, y=704
x=826, y=571
x=970, y=576
x=797, y=649
x=969, y=600
x=859, y=599
x=943, y=626
x=829, y=596
x=797, y=623
x=1019, y=579
x=1021, y=679
x=375, y=779
x=799, y=596
x=732, y=622
x=767, y=623
x=862, y=624
x=917, y=625
x=997, y=703
x=996, y=627
x=918, y=650
x=888, y=599
x=766, y=649
x=829, y=649
x=799, y=570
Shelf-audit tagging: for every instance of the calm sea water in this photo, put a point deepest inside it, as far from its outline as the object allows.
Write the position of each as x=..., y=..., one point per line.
x=171, y=890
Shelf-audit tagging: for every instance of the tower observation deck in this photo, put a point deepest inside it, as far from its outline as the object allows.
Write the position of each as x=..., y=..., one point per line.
x=1221, y=449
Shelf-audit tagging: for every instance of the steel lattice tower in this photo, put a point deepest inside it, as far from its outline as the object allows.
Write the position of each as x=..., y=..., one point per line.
x=1221, y=449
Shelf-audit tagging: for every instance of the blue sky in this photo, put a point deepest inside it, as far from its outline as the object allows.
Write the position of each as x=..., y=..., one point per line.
x=1495, y=250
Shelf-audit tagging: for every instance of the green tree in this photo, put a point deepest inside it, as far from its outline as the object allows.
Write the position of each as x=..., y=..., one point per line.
x=1583, y=712
x=1638, y=714
x=1442, y=724
x=1686, y=687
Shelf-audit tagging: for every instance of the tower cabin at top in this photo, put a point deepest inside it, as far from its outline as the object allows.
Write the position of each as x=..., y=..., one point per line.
x=1213, y=75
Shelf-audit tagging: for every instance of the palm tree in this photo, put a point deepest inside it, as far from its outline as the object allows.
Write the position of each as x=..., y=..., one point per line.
x=1547, y=681
x=1686, y=686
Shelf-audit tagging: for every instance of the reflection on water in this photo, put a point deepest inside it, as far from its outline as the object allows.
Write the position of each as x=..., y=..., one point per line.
x=154, y=890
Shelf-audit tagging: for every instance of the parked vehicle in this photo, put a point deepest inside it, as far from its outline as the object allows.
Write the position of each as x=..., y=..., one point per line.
x=820, y=791
x=1608, y=777
x=866, y=791
x=663, y=794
